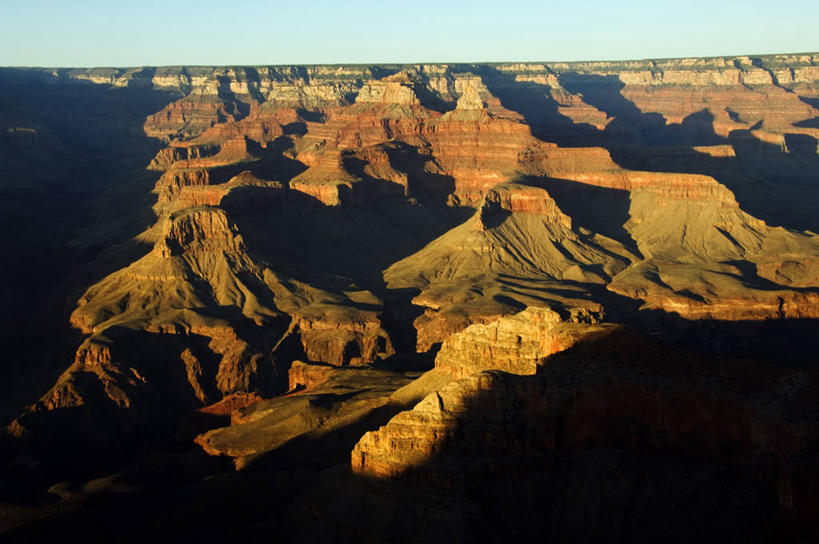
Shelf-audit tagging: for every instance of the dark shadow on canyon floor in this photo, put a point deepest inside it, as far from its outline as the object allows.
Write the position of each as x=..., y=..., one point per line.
x=769, y=181
x=636, y=486
x=578, y=471
x=82, y=166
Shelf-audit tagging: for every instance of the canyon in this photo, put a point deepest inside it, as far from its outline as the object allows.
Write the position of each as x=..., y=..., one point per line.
x=576, y=301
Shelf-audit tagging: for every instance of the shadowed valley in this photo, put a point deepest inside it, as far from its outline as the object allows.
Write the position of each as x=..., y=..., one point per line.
x=576, y=301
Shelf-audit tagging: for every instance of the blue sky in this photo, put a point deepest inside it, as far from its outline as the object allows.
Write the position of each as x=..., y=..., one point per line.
x=152, y=32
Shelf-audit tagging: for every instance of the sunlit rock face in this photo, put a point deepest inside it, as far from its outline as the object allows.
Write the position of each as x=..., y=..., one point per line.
x=190, y=232
x=612, y=390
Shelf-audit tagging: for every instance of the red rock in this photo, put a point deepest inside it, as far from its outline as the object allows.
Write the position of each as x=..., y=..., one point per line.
x=227, y=293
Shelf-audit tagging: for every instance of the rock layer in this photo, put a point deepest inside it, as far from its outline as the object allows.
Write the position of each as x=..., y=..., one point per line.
x=341, y=214
x=602, y=394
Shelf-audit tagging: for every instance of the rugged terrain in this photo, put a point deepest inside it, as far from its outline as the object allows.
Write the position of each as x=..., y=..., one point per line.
x=448, y=286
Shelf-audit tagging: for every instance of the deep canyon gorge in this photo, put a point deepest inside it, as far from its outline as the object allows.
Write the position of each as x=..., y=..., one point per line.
x=443, y=302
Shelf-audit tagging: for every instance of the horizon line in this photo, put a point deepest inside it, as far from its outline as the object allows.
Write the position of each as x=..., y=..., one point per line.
x=233, y=65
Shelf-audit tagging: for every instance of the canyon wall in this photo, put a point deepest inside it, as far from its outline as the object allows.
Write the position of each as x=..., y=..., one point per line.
x=223, y=222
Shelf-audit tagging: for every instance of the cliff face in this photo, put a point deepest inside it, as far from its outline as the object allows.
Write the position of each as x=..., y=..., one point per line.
x=617, y=390
x=349, y=216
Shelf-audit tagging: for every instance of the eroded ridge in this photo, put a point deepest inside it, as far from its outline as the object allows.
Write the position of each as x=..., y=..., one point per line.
x=354, y=216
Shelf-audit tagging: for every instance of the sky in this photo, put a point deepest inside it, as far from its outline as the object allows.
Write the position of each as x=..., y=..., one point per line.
x=123, y=33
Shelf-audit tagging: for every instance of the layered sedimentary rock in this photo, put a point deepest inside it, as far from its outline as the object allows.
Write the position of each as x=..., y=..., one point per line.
x=517, y=249
x=339, y=215
x=602, y=394
x=515, y=344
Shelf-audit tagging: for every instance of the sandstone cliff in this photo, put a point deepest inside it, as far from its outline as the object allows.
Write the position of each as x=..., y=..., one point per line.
x=494, y=425
x=238, y=219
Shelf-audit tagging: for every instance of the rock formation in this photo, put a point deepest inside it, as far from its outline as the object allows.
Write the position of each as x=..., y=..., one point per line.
x=287, y=249
x=601, y=393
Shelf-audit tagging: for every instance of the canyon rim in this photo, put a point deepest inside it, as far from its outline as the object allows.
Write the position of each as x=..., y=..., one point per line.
x=577, y=302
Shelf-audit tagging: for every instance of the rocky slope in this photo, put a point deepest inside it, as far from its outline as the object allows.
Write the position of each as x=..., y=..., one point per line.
x=222, y=223
x=617, y=390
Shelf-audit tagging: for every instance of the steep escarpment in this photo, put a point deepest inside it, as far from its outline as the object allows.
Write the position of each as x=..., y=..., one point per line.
x=518, y=249
x=73, y=159
x=515, y=344
x=618, y=391
x=291, y=247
